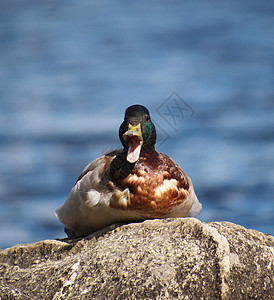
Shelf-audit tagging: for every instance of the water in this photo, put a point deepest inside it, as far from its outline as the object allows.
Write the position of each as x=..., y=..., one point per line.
x=69, y=70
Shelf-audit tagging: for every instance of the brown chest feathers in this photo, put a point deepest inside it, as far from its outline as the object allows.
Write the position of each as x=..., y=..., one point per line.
x=155, y=183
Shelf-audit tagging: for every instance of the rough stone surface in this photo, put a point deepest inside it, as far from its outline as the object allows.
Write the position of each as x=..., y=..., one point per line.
x=156, y=259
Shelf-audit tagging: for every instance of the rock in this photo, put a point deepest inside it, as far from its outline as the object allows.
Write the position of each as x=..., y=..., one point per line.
x=155, y=259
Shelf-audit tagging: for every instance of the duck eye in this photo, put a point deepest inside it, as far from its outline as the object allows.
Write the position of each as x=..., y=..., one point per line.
x=147, y=118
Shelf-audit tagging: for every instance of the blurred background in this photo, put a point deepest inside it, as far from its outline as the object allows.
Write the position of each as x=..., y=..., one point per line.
x=69, y=69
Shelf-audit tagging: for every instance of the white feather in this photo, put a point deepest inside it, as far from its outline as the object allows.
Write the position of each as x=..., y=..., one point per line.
x=196, y=207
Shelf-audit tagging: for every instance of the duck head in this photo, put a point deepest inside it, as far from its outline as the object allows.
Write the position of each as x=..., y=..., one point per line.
x=137, y=131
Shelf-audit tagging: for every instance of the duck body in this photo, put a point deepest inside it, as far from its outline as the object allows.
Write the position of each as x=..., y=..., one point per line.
x=131, y=184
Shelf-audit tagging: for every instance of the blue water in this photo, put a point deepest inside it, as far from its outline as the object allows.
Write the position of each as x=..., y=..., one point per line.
x=69, y=69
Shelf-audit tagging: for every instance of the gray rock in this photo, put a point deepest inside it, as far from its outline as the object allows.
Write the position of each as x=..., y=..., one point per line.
x=156, y=259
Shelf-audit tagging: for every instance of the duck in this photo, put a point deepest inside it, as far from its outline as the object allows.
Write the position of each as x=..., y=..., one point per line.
x=130, y=184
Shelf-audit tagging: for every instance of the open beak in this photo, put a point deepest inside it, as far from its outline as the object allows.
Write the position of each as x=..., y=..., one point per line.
x=135, y=138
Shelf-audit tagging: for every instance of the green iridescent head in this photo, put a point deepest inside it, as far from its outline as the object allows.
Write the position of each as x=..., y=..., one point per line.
x=137, y=130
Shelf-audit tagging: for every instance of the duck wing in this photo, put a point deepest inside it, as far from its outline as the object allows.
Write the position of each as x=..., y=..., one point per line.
x=90, y=192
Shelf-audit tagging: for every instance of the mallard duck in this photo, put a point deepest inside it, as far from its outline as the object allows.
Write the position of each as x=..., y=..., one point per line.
x=130, y=184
